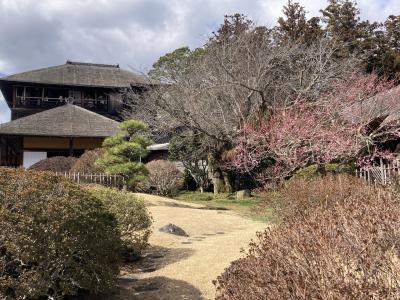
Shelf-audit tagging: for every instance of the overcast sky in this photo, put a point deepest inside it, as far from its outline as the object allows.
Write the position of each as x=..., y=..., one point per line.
x=133, y=33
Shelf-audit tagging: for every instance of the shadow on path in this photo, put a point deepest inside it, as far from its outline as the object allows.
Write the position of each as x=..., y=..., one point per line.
x=156, y=257
x=155, y=288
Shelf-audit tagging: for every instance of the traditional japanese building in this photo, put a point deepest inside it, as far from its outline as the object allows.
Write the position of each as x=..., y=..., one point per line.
x=96, y=87
x=62, y=110
x=67, y=130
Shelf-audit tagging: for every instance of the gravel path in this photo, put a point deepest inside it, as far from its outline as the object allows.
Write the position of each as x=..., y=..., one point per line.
x=177, y=267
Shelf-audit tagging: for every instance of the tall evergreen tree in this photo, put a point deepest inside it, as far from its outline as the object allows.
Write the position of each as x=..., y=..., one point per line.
x=384, y=57
x=392, y=28
x=232, y=27
x=342, y=19
x=355, y=37
x=294, y=26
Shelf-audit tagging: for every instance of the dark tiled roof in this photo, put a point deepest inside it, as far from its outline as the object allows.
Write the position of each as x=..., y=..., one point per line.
x=63, y=121
x=383, y=104
x=382, y=107
x=81, y=74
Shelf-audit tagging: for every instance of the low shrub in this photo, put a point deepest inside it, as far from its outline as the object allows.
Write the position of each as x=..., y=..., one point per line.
x=302, y=196
x=339, y=239
x=164, y=178
x=332, y=168
x=196, y=196
x=87, y=162
x=55, y=238
x=55, y=164
x=134, y=220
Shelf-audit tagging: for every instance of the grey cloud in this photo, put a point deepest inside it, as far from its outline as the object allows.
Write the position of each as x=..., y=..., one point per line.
x=133, y=33
x=28, y=40
x=151, y=14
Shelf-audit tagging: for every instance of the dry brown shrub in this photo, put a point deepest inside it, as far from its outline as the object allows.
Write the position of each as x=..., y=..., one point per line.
x=87, y=162
x=339, y=239
x=54, y=164
x=164, y=178
x=134, y=220
x=55, y=238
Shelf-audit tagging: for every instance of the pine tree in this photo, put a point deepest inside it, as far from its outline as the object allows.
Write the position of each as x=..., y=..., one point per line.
x=125, y=151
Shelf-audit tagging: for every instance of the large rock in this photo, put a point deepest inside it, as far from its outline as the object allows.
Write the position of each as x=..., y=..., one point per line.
x=173, y=229
x=243, y=194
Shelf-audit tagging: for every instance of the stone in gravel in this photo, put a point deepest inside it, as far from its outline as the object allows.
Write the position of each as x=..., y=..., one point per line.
x=173, y=229
x=240, y=195
x=147, y=287
x=186, y=242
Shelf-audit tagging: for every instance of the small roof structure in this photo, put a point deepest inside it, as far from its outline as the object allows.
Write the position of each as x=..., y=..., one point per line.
x=64, y=121
x=81, y=74
x=383, y=104
x=380, y=108
x=158, y=147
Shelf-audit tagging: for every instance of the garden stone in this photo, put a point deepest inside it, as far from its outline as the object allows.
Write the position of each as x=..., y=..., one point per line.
x=173, y=229
x=240, y=195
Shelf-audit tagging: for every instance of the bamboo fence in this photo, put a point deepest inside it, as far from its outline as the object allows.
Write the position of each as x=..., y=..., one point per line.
x=383, y=174
x=109, y=180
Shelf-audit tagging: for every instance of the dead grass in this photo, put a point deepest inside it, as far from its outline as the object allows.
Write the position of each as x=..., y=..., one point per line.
x=215, y=239
x=337, y=238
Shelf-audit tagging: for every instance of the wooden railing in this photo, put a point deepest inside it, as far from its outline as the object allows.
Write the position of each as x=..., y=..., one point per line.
x=383, y=174
x=109, y=180
x=100, y=105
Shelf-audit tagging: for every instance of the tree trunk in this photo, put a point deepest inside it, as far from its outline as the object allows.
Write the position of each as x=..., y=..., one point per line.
x=227, y=182
x=218, y=181
x=321, y=171
x=219, y=178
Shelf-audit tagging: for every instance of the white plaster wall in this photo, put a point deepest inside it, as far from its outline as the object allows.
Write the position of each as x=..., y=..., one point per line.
x=32, y=157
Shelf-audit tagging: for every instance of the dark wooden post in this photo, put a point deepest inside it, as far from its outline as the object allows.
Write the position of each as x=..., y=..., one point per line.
x=14, y=99
x=2, y=145
x=71, y=146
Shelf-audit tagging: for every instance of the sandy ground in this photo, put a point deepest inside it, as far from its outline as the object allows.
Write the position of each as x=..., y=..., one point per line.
x=177, y=267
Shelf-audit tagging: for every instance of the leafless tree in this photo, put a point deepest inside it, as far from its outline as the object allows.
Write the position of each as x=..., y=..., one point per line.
x=239, y=80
